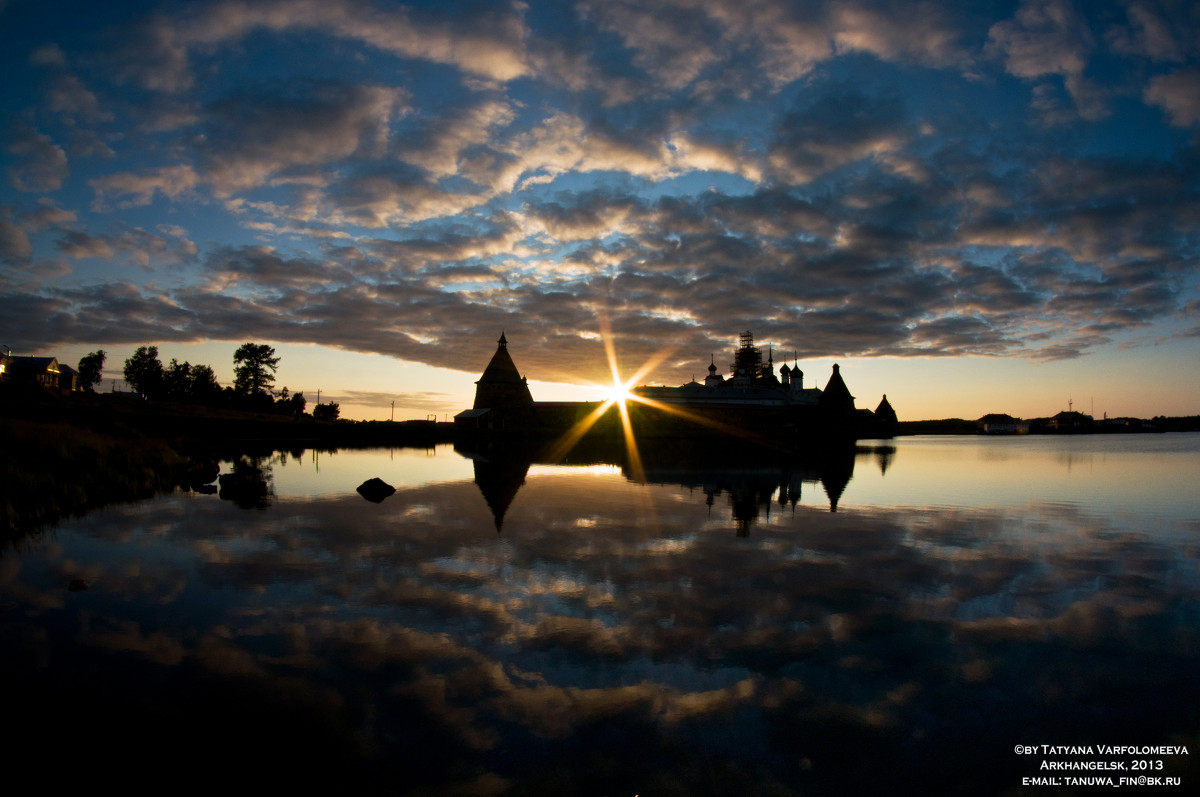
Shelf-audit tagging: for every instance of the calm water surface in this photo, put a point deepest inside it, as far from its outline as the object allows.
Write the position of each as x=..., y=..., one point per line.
x=702, y=625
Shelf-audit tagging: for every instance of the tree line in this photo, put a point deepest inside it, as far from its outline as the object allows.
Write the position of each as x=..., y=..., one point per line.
x=254, y=366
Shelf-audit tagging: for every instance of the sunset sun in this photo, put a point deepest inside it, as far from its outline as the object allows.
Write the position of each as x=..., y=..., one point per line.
x=620, y=393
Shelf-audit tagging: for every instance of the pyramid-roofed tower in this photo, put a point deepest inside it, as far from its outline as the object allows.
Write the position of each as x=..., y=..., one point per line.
x=884, y=412
x=502, y=386
x=836, y=395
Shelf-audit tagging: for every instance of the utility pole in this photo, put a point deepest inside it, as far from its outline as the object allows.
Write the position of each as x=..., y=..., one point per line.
x=393, y=410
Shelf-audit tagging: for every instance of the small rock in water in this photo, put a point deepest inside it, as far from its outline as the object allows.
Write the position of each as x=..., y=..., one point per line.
x=375, y=490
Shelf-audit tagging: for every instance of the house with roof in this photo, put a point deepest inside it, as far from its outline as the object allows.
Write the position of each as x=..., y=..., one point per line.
x=42, y=371
x=1001, y=423
x=1071, y=421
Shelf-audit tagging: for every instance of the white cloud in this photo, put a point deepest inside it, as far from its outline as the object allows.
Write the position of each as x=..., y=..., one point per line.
x=448, y=138
x=39, y=165
x=1178, y=94
x=136, y=189
x=901, y=31
x=669, y=40
x=1049, y=37
x=488, y=45
x=1151, y=33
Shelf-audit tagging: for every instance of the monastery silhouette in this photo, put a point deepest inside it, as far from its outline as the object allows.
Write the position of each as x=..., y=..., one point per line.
x=752, y=402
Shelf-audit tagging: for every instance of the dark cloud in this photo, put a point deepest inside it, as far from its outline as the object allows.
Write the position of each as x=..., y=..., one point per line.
x=1176, y=93
x=14, y=243
x=135, y=245
x=266, y=267
x=251, y=138
x=840, y=125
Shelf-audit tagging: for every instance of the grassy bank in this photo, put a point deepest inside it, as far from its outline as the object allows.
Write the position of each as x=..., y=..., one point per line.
x=55, y=470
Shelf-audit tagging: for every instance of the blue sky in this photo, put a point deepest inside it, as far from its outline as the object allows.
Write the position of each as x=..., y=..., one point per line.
x=980, y=207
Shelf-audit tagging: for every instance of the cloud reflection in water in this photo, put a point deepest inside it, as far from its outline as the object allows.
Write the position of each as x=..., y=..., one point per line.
x=649, y=650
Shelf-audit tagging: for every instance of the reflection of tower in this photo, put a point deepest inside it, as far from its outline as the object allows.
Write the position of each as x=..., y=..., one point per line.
x=499, y=473
x=499, y=483
x=747, y=497
x=751, y=477
x=884, y=455
x=790, y=487
x=836, y=471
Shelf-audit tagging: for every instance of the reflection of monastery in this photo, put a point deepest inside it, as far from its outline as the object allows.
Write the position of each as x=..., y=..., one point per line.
x=753, y=481
x=752, y=401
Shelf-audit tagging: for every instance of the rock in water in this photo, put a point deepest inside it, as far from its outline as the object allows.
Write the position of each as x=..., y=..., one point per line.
x=375, y=490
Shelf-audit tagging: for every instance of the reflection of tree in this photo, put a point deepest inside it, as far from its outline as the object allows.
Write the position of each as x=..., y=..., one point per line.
x=248, y=485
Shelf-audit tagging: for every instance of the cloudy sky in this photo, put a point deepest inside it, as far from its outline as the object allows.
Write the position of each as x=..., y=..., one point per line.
x=973, y=207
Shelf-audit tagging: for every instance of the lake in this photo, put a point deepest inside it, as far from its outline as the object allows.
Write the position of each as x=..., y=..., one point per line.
x=934, y=615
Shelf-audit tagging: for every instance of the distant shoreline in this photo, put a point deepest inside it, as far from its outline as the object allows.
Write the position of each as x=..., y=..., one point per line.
x=1042, y=427
x=197, y=427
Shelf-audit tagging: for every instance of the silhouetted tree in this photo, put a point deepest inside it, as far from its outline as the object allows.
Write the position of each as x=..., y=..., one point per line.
x=326, y=412
x=254, y=369
x=195, y=384
x=91, y=369
x=205, y=388
x=144, y=372
x=177, y=381
x=291, y=404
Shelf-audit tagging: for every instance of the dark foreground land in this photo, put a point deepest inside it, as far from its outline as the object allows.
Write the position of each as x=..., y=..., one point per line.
x=64, y=455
